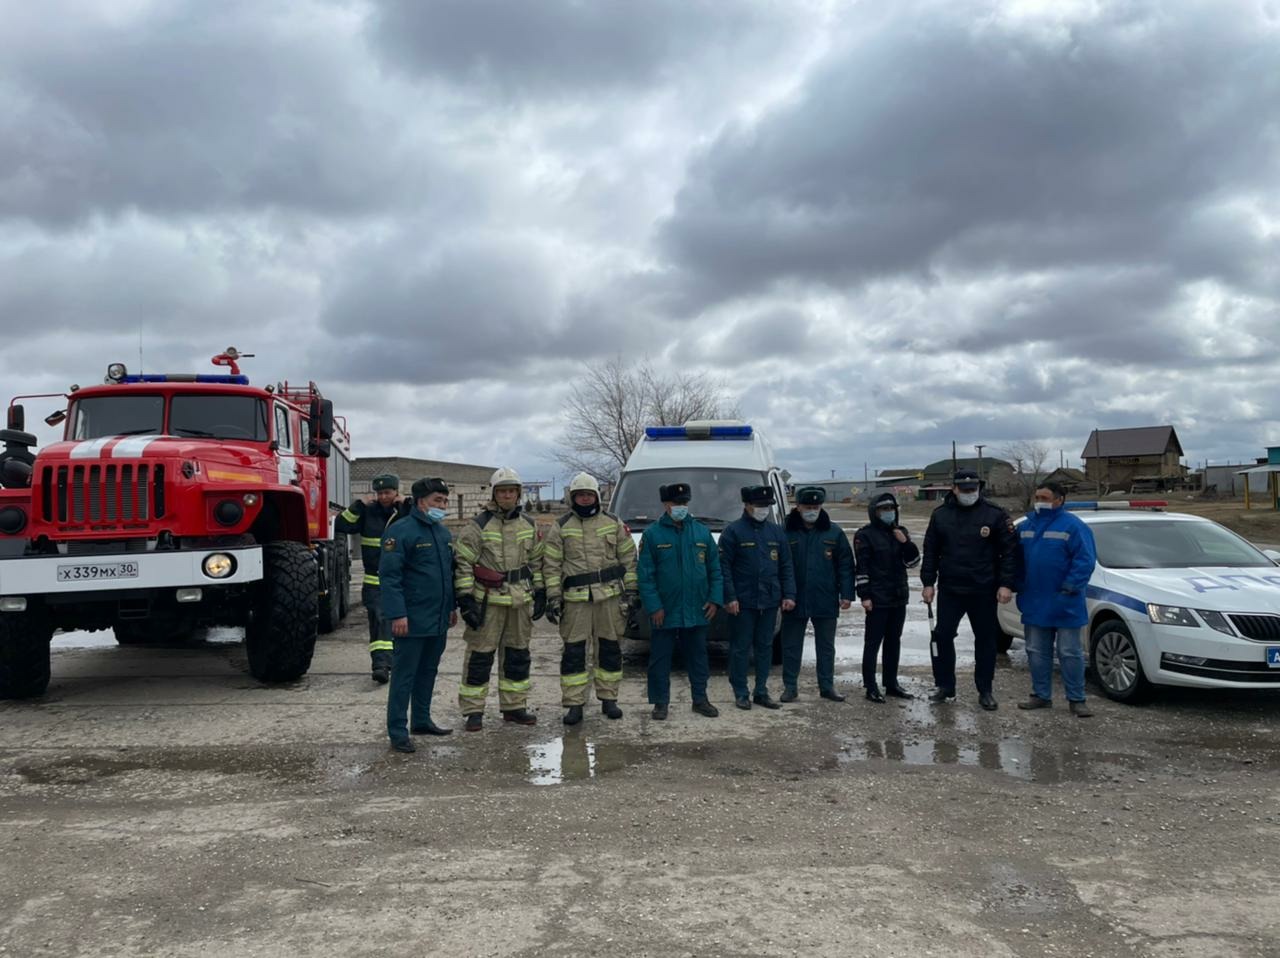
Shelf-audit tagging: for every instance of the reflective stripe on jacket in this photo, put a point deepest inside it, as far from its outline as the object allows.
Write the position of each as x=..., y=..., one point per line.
x=577, y=546
x=1058, y=557
x=504, y=543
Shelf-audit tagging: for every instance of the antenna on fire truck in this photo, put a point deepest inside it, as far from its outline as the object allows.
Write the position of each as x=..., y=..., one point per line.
x=230, y=358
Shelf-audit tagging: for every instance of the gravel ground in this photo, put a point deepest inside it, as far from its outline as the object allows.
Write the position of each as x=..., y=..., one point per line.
x=162, y=803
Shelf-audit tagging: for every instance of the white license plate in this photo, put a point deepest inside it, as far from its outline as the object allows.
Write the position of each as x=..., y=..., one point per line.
x=89, y=572
x=1273, y=656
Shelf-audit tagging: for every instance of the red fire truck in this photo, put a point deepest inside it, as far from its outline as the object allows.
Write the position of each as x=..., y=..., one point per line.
x=174, y=501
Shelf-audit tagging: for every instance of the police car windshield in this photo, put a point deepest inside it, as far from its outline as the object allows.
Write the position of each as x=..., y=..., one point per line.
x=717, y=494
x=1172, y=544
x=219, y=417
x=97, y=417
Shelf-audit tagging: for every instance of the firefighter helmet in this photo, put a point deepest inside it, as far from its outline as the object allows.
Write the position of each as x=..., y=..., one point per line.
x=505, y=477
x=584, y=482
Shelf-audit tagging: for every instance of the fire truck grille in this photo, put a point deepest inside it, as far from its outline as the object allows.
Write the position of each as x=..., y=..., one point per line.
x=102, y=494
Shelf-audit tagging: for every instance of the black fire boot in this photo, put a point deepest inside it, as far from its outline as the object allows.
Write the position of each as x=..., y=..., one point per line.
x=610, y=708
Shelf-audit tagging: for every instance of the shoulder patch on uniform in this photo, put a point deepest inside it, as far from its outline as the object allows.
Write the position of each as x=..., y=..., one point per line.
x=389, y=545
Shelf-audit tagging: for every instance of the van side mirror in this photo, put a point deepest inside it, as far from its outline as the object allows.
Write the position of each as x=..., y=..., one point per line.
x=17, y=418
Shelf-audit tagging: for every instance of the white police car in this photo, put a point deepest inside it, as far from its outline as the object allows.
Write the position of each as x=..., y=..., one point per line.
x=1175, y=600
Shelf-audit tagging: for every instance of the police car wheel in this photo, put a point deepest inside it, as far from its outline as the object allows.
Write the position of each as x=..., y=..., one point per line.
x=1116, y=664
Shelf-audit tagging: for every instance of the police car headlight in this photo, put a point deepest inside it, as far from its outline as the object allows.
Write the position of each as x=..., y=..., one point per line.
x=219, y=565
x=1171, y=615
x=1216, y=621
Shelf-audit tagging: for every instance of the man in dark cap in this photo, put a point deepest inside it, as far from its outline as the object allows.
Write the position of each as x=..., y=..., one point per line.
x=369, y=520
x=418, y=606
x=971, y=556
x=823, y=562
x=758, y=578
x=680, y=589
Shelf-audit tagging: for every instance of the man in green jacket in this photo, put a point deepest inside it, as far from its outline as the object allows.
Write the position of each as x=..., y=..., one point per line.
x=418, y=607
x=680, y=588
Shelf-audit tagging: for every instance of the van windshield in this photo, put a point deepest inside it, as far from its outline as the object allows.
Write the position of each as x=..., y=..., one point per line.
x=717, y=494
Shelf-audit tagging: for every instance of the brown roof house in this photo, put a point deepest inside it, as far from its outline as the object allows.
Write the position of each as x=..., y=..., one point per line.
x=1115, y=458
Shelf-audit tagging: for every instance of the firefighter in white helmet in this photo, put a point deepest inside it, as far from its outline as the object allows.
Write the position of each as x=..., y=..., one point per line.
x=589, y=563
x=498, y=582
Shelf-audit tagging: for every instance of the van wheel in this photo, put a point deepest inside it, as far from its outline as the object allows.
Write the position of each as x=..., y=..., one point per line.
x=1114, y=657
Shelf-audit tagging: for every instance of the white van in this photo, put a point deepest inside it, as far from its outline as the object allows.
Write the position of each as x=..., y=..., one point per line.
x=716, y=458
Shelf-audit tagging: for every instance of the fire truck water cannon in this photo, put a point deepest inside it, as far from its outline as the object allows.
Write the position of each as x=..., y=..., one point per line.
x=174, y=501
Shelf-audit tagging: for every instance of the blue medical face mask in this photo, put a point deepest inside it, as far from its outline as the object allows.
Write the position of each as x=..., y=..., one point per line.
x=810, y=515
x=435, y=515
x=679, y=513
x=888, y=518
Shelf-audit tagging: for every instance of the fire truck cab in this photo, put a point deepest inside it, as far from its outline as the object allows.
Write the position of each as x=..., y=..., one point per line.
x=174, y=501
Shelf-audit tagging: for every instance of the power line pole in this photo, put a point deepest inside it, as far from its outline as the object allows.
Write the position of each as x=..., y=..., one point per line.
x=954, y=467
x=980, y=446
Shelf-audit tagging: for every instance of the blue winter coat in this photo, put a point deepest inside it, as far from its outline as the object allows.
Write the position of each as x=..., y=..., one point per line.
x=756, y=559
x=823, y=562
x=678, y=572
x=1058, y=559
x=417, y=574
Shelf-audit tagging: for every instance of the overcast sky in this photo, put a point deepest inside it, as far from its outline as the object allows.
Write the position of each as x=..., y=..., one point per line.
x=886, y=225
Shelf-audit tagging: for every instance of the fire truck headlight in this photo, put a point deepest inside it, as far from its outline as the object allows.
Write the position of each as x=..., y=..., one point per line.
x=12, y=520
x=116, y=372
x=219, y=565
x=250, y=498
x=228, y=512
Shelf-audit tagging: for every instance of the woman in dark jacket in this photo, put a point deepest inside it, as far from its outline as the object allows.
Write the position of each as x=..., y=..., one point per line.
x=884, y=552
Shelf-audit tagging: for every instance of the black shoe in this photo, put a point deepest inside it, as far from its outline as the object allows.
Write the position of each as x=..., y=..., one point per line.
x=897, y=692
x=875, y=695
x=1035, y=702
x=703, y=707
x=475, y=722
x=942, y=695
x=405, y=746
x=610, y=708
x=765, y=702
x=430, y=728
x=660, y=713
x=831, y=695
x=743, y=703
x=988, y=701
x=1080, y=710
x=520, y=717
x=381, y=675
x=574, y=715
x=789, y=695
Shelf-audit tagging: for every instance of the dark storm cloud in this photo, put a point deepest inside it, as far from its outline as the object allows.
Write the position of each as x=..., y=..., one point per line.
x=563, y=47
x=930, y=139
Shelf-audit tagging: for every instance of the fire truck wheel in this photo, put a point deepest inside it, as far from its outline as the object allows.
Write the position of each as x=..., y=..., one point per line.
x=330, y=604
x=281, y=636
x=24, y=654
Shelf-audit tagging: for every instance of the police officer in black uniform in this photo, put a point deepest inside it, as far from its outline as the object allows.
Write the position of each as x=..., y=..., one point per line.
x=971, y=561
x=369, y=520
x=884, y=552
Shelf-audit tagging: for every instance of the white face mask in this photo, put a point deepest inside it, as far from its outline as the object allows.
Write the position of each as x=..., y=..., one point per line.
x=1042, y=506
x=810, y=515
x=761, y=513
x=679, y=513
x=966, y=498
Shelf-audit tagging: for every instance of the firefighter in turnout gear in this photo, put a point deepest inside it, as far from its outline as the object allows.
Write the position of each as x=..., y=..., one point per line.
x=369, y=520
x=500, y=593
x=589, y=564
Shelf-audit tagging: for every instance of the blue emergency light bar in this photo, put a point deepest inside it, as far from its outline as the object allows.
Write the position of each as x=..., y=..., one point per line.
x=698, y=432
x=1103, y=504
x=186, y=378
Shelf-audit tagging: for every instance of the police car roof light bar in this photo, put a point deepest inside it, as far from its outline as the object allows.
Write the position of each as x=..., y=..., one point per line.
x=1105, y=504
x=698, y=432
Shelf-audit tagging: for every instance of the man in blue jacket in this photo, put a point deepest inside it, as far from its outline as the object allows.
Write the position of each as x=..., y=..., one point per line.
x=758, y=578
x=823, y=562
x=1058, y=559
x=678, y=573
x=418, y=607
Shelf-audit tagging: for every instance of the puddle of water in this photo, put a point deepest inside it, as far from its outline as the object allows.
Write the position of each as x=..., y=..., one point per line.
x=572, y=759
x=1013, y=757
x=106, y=639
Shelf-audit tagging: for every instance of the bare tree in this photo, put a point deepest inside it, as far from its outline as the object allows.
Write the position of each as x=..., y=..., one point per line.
x=610, y=406
x=1028, y=457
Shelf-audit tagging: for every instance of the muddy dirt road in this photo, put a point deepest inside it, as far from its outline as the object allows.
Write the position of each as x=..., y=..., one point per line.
x=162, y=803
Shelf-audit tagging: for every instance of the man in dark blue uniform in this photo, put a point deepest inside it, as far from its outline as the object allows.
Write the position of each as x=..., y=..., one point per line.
x=758, y=578
x=418, y=609
x=369, y=520
x=823, y=563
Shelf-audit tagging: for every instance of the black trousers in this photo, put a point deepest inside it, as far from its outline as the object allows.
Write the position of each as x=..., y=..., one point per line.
x=980, y=607
x=884, y=625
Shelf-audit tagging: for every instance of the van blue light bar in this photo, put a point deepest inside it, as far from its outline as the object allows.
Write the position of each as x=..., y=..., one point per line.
x=695, y=432
x=186, y=378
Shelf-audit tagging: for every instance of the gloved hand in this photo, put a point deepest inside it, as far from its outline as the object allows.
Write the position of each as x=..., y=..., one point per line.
x=470, y=610
x=539, y=604
x=554, y=608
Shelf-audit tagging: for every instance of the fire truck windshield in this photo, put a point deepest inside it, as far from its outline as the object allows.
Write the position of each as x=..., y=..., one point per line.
x=219, y=417
x=101, y=416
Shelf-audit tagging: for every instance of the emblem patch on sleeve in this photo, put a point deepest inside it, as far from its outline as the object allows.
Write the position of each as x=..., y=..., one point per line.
x=388, y=545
